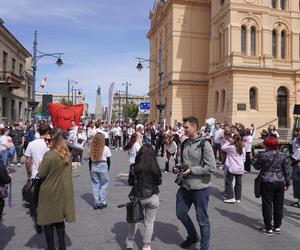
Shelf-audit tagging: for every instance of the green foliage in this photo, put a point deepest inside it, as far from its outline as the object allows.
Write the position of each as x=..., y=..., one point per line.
x=133, y=110
x=64, y=101
x=113, y=115
x=39, y=109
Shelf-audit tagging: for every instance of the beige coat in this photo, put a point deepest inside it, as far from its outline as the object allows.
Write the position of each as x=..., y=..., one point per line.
x=56, y=198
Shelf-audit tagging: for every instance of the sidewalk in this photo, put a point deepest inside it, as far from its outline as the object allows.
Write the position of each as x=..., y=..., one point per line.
x=233, y=226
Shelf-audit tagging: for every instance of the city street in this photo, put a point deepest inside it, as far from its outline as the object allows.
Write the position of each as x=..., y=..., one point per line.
x=233, y=226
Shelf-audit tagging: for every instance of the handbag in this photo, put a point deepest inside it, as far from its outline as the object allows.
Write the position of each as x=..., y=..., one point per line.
x=258, y=179
x=30, y=191
x=134, y=208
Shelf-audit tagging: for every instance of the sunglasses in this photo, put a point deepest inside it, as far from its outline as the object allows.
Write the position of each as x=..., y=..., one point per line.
x=47, y=140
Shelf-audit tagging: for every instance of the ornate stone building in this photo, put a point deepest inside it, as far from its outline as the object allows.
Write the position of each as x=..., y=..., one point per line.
x=15, y=78
x=235, y=60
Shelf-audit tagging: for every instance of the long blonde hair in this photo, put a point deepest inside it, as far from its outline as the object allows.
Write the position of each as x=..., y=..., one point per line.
x=97, y=147
x=60, y=146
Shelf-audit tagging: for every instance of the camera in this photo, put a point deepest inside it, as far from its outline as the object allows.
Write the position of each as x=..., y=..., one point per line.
x=179, y=177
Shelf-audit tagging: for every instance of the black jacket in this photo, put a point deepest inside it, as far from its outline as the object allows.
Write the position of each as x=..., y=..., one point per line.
x=147, y=185
x=4, y=177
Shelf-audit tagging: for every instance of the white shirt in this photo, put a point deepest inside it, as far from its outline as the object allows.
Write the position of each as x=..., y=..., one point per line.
x=117, y=131
x=5, y=139
x=132, y=152
x=36, y=150
x=81, y=136
x=217, y=135
x=171, y=148
x=106, y=153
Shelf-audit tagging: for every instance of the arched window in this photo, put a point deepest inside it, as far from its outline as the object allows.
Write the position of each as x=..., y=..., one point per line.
x=217, y=101
x=253, y=41
x=274, y=4
x=243, y=39
x=223, y=100
x=282, y=4
x=252, y=98
x=274, y=43
x=283, y=44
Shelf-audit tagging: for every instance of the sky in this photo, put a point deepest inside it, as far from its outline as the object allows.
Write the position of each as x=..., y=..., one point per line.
x=100, y=40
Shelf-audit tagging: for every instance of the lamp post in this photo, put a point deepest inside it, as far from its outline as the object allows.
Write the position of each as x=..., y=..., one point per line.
x=37, y=55
x=160, y=106
x=79, y=93
x=71, y=82
x=126, y=93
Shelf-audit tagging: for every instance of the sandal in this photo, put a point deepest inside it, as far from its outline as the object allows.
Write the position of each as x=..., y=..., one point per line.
x=295, y=204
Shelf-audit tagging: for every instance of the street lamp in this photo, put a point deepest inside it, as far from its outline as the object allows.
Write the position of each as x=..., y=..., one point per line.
x=79, y=93
x=126, y=84
x=160, y=106
x=71, y=82
x=37, y=55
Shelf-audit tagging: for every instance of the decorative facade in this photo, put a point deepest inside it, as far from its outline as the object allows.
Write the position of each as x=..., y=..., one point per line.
x=15, y=78
x=234, y=60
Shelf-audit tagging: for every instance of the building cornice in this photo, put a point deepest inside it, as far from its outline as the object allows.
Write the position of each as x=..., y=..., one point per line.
x=6, y=33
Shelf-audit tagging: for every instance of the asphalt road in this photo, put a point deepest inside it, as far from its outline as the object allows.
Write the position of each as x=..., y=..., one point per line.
x=233, y=226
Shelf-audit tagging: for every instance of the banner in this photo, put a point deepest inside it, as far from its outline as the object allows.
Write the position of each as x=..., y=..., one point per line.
x=110, y=101
x=62, y=115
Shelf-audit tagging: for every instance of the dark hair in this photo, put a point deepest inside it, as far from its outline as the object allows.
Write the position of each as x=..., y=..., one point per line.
x=192, y=120
x=237, y=143
x=146, y=162
x=43, y=129
x=132, y=140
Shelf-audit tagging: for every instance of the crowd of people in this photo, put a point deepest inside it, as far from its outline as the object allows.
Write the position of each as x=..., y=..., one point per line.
x=191, y=151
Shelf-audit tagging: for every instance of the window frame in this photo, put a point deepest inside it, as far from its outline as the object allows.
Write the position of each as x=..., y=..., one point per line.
x=244, y=39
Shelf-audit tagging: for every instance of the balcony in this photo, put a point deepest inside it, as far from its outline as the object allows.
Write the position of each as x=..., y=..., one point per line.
x=10, y=80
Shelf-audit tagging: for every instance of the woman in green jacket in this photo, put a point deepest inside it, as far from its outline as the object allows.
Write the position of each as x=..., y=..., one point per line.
x=56, y=198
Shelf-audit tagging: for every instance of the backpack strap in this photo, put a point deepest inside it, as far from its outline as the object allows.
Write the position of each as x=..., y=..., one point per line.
x=201, y=146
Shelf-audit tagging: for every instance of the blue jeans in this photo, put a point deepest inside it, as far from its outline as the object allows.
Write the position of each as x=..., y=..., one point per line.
x=100, y=180
x=200, y=198
x=7, y=154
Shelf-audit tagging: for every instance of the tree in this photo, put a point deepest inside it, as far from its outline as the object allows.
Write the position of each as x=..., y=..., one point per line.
x=133, y=110
x=64, y=101
x=39, y=109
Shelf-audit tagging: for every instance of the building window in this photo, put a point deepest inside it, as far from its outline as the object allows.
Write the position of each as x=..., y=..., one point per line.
x=274, y=4
x=13, y=65
x=4, y=61
x=221, y=3
x=282, y=4
x=20, y=109
x=274, y=43
x=13, y=108
x=283, y=44
x=252, y=97
x=223, y=99
x=217, y=101
x=243, y=39
x=21, y=70
x=4, y=106
x=253, y=41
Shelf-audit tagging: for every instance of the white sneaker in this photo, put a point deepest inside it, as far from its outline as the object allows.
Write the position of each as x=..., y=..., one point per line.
x=147, y=248
x=19, y=164
x=116, y=149
x=230, y=200
x=238, y=201
x=129, y=244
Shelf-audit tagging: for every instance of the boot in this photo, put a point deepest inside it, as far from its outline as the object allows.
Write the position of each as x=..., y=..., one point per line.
x=60, y=231
x=48, y=230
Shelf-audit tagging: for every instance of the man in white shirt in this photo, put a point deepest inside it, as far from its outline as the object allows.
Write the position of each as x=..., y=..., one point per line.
x=218, y=134
x=34, y=154
x=117, y=132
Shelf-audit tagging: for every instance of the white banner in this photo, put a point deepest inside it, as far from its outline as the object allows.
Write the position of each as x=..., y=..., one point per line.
x=110, y=101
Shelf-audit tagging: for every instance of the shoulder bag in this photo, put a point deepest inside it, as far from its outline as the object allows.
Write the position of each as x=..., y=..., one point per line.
x=258, y=179
x=134, y=207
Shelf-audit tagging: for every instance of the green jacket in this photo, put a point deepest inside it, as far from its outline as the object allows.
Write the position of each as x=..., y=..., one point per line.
x=56, y=198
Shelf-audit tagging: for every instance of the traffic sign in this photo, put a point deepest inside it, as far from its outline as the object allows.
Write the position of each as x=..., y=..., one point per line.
x=145, y=105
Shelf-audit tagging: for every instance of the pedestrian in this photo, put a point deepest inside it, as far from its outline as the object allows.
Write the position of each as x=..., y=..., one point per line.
x=235, y=164
x=296, y=174
x=34, y=154
x=100, y=157
x=17, y=135
x=147, y=175
x=132, y=147
x=56, y=197
x=247, y=144
x=4, y=180
x=170, y=149
x=273, y=165
x=7, y=147
x=195, y=183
